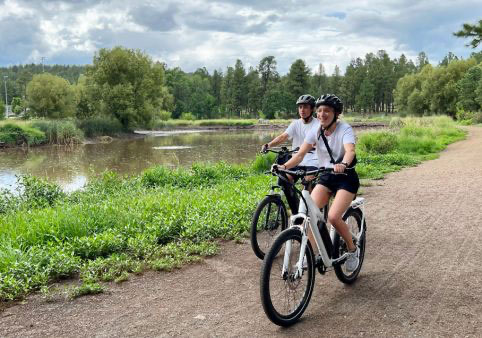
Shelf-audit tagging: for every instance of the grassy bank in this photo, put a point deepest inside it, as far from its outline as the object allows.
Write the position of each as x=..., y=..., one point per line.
x=159, y=124
x=169, y=124
x=63, y=132
x=37, y=132
x=162, y=218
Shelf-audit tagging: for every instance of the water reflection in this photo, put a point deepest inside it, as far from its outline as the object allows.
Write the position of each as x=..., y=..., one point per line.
x=71, y=167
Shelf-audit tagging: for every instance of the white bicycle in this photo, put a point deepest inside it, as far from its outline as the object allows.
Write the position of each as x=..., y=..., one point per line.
x=288, y=270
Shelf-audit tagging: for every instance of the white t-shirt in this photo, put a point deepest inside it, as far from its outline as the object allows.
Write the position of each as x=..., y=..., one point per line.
x=297, y=131
x=343, y=134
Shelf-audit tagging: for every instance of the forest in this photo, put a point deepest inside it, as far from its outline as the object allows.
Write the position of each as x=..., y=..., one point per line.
x=127, y=85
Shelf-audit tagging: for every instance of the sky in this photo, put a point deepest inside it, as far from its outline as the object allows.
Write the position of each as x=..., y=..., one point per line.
x=201, y=33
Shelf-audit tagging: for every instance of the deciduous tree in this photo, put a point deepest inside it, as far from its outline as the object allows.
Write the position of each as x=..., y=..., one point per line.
x=50, y=96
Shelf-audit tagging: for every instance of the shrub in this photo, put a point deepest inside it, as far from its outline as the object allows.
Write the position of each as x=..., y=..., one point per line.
x=2, y=110
x=37, y=192
x=378, y=142
x=396, y=123
x=187, y=116
x=100, y=126
x=8, y=201
x=468, y=117
x=163, y=115
x=263, y=162
x=59, y=131
x=13, y=134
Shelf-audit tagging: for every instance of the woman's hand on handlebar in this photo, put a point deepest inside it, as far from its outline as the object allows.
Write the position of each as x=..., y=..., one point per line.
x=275, y=167
x=339, y=168
x=264, y=148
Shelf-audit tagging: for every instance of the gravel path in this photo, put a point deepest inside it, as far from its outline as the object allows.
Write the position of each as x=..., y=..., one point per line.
x=421, y=276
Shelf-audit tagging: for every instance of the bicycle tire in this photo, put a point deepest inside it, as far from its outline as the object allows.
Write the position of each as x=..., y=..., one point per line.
x=262, y=235
x=287, y=282
x=353, y=217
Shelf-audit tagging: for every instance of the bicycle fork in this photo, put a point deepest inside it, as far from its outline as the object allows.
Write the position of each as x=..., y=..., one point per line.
x=299, y=263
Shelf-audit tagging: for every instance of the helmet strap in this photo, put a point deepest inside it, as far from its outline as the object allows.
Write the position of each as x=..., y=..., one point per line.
x=308, y=119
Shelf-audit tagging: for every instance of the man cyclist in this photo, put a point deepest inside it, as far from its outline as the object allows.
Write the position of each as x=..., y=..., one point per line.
x=297, y=131
x=335, y=145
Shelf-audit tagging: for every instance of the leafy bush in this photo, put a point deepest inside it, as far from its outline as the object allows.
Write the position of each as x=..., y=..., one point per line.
x=164, y=115
x=14, y=134
x=37, y=192
x=2, y=110
x=396, y=123
x=468, y=117
x=263, y=162
x=100, y=126
x=377, y=142
x=8, y=201
x=62, y=132
x=187, y=116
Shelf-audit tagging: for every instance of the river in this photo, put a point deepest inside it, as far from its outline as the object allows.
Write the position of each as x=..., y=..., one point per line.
x=72, y=167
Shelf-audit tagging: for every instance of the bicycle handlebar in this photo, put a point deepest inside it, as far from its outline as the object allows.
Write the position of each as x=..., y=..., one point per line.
x=302, y=173
x=283, y=150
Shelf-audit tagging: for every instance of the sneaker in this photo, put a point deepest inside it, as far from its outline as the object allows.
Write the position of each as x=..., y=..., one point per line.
x=352, y=260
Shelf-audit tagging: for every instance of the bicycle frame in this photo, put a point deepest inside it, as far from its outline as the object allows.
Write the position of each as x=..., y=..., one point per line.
x=307, y=220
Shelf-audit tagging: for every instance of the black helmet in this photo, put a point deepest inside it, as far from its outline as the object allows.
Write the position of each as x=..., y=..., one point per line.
x=330, y=100
x=306, y=99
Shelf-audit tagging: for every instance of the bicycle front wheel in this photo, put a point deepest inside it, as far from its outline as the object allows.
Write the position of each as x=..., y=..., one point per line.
x=269, y=219
x=285, y=293
x=353, y=218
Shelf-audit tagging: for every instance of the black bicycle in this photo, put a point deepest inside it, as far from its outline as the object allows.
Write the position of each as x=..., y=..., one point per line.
x=271, y=216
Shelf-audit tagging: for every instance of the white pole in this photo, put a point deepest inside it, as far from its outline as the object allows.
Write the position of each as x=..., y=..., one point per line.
x=6, y=97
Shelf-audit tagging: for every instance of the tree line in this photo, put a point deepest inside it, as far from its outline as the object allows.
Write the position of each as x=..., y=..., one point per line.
x=129, y=86
x=454, y=86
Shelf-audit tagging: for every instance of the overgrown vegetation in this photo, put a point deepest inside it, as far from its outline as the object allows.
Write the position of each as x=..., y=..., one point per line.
x=63, y=132
x=162, y=218
x=15, y=135
x=160, y=124
x=410, y=141
x=100, y=126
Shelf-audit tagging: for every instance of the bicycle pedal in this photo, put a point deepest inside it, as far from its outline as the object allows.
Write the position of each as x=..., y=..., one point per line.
x=319, y=265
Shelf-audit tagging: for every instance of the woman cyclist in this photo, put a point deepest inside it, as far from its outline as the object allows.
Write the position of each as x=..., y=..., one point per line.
x=335, y=146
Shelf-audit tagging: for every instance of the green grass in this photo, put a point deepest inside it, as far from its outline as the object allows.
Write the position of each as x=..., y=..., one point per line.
x=63, y=132
x=160, y=124
x=373, y=117
x=36, y=132
x=412, y=141
x=13, y=134
x=162, y=219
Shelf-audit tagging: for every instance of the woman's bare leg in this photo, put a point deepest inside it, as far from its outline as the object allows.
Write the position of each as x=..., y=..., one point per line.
x=341, y=202
x=320, y=195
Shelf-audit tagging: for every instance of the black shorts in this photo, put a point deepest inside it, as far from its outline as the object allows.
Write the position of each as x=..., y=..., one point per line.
x=349, y=182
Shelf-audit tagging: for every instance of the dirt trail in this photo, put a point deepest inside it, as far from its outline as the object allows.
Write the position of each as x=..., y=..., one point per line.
x=421, y=276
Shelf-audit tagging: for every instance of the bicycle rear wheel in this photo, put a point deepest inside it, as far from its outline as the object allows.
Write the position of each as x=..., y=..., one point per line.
x=269, y=219
x=284, y=294
x=353, y=218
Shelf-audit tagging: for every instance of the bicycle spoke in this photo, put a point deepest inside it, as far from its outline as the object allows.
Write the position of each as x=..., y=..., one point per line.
x=288, y=292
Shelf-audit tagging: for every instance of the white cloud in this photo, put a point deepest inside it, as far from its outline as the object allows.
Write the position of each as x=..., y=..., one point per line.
x=197, y=33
